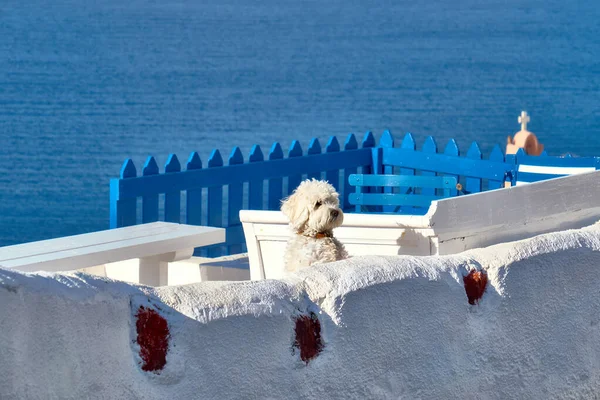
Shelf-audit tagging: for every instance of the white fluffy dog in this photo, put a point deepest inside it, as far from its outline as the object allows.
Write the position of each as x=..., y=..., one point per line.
x=313, y=210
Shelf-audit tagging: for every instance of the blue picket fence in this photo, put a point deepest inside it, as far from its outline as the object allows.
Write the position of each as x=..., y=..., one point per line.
x=214, y=195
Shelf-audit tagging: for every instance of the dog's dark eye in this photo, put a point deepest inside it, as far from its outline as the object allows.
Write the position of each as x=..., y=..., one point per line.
x=317, y=204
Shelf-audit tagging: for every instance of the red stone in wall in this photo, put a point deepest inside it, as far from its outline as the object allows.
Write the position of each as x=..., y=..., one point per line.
x=308, y=337
x=475, y=283
x=153, y=338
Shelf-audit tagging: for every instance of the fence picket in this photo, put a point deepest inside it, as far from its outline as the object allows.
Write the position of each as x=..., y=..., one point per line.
x=451, y=149
x=173, y=199
x=429, y=147
x=150, y=202
x=349, y=144
x=387, y=141
x=123, y=211
x=408, y=143
x=214, y=209
x=496, y=156
x=369, y=142
x=314, y=148
x=235, y=196
x=473, y=185
x=256, y=187
x=275, y=185
x=294, y=180
x=333, y=175
x=193, y=198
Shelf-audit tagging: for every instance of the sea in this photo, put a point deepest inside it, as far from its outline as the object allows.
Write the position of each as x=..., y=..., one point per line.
x=86, y=84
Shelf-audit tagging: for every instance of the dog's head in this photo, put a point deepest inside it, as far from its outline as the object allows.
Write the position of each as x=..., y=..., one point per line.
x=313, y=208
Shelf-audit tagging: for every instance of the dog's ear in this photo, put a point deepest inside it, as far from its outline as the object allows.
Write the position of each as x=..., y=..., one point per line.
x=295, y=209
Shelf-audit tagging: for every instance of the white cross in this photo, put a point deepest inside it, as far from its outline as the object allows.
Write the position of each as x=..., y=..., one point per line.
x=523, y=120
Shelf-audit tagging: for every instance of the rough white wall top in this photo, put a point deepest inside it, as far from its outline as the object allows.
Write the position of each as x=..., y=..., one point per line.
x=392, y=327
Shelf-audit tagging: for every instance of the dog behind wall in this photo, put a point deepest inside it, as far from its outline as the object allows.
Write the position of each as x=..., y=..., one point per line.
x=314, y=211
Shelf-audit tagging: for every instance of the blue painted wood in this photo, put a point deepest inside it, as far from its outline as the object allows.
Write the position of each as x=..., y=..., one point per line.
x=275, y=185
x=364, y=200
x=255, y=193
x=142, y=186
x=351, y=146
x=150, y=202
x=172, y=197
x=429, y=147
x=215, y=201
x=548, y=161
x=333, y=175
x=473, y=184
x=392, y=199
x=235, y=196
x=369, y=142
x=496, y=156
x=314, y=148
x=295, y=179
x=408, y=145
x=193, y=198
x=444, y=164
x=123, y=209
x=452, y=150
x=436, y=182
x=387, y=141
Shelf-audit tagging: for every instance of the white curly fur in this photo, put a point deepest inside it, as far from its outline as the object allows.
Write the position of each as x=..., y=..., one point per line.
x=313, y=210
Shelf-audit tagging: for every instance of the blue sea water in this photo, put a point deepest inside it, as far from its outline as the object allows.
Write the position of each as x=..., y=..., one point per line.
x=85, y=84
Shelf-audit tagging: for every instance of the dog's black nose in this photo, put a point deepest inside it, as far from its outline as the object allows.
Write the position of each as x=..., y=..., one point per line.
x=335, y=213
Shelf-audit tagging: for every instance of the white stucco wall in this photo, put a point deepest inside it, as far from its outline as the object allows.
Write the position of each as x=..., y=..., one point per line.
x=393, y=327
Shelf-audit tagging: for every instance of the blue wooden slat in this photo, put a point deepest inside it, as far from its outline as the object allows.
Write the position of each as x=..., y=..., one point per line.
x=142, y=186
x=234, y=201
x=150, y=202
x=215, y=201
x=473, y=184
x=382, y=199
x=275, y=184
x=333, y=175
x=496, y=156
x=536, y=177
x=451, y=150
x=446, y=164
x=172, y=197
x=314, y=148
x=295, y=179
x=429, y=147
x=193, y=198
x=256, y=187
x=350, y=147
x=436, y=182
x=123, y=209
x=548, y=161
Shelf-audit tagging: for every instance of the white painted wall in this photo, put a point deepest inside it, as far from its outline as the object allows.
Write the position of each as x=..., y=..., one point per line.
x=394, y=327
x=450, y=226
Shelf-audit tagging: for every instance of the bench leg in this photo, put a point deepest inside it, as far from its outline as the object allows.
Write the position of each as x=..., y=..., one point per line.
x=154, y=271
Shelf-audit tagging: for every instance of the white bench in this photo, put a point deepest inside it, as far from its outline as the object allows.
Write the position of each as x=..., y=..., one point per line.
x=154, y=244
